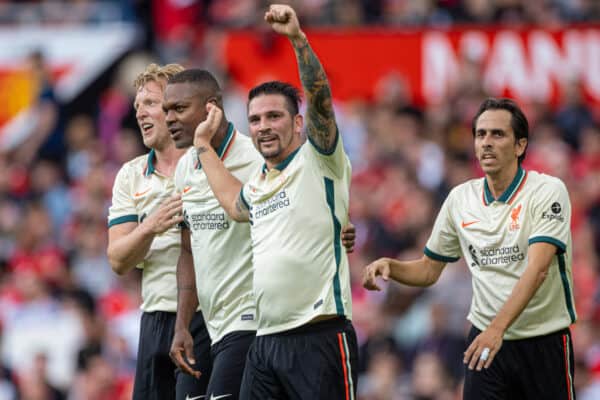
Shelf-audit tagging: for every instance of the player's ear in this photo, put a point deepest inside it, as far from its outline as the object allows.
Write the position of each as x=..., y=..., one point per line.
x=298, y=123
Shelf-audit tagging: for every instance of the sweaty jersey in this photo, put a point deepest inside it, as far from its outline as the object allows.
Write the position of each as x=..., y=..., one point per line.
x=221, y=247
x=139, y=189
x=494, y=235
x=297, y=211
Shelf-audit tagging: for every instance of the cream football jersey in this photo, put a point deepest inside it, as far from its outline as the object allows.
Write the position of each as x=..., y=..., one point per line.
x=139, y=189
x=297, y=211
x=221, y=247
x=494, y=234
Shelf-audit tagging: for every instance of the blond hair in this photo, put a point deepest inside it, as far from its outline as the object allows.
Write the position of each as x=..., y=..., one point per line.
x=156, y=73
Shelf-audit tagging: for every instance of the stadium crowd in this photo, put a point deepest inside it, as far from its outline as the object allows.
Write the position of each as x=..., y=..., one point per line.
x=68, y=324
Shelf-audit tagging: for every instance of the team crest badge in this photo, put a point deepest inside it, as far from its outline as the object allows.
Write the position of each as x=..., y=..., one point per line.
x=514, y=218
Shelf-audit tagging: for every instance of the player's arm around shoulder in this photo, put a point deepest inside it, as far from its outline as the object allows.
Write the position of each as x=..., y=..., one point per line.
x=421, y=272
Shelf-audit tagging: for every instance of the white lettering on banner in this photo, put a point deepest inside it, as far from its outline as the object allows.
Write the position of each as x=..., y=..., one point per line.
x=530, y=66
x=592, y=63
x=439, y=66
x=507, y=66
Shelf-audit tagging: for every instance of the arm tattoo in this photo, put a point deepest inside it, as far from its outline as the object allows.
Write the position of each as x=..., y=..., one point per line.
x=320, y=122
x=201, y=149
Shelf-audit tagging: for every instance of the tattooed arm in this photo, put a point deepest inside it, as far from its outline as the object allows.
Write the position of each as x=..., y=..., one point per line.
x=320, y=119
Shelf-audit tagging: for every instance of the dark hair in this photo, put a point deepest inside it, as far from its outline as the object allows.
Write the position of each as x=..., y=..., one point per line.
x=291, y=94
x=200, y=77
x=518, y=121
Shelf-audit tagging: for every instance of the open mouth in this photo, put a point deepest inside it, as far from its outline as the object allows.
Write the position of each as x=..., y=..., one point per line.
x=268, y=140
x=146, y=127
x=175, y=133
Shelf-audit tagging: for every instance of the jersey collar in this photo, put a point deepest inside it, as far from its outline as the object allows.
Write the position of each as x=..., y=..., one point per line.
x=149, y=170
x=281, y=166
x=224, y=147
x=510, y=193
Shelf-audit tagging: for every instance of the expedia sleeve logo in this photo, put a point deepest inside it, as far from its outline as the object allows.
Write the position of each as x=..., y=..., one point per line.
x=555, y=213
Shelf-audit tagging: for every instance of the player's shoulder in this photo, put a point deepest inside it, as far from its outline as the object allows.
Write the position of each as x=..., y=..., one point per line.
x=467, y=188
x=138, y=164
x=243, y=150
x=540, y=181
x=242, y=142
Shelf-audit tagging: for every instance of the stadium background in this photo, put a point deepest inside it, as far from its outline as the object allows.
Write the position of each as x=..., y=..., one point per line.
x=407, y=76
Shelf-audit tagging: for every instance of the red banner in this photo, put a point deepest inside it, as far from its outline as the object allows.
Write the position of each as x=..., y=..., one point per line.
x=529, y=64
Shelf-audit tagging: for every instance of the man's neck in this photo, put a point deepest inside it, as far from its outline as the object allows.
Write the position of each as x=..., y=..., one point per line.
x=273, y=162
x=500, y=181
x=219, y=137
x=167, y=158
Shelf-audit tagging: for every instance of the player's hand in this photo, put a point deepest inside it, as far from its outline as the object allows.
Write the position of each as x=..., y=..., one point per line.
x=283, y=20
x=349, y=237
x=380, y=267
x=491, y=339
x=182, y=352
x=169, y=214
x=208, y=128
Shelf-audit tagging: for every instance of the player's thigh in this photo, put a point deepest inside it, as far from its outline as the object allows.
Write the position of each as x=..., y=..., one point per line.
x=548, y=366
x=259, y=382
x=229, y=360
x=495, y=382
x=154, y=376
x=188, y=387
x=339, y=355
x=321, y=363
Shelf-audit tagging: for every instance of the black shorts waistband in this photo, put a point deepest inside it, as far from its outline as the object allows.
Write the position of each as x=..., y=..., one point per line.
x=555, y=333
x=336, y=323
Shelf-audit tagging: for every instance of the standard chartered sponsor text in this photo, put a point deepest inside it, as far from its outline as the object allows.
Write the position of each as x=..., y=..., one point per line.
x=279, y=200
x=500, y=255
x=209, y=221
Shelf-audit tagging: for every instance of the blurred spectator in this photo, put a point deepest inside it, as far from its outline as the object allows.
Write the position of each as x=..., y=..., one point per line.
x=45, y=136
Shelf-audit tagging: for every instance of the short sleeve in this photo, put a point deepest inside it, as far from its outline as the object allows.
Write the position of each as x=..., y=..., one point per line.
x=551, y=215
x=443, y=244
x=122, y=208
x=335, y=161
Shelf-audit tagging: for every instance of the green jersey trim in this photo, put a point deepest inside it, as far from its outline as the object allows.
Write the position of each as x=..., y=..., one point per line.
x=150, y=163
x=438, y=257
x=123, y=219
x=243, y=198
x=337, y=228
x=562, y=266
x=561, y=247
x=509, y=193
x=281, y=166
x=323, y=151
x=223, y=147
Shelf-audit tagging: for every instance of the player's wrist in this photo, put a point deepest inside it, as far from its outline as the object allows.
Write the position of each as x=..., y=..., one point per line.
x=498, y=327
x=201, y=145
x=298, y=39
x=147, y=228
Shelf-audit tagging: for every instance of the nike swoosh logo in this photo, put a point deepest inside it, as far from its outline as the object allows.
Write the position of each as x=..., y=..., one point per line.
x=219, y=397
x=465, y=224
x=138, y=194
x=187, y=397
x=187, y=189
